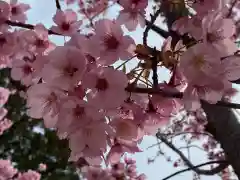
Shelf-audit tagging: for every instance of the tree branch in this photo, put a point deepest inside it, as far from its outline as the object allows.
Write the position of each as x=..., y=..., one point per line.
x=27, y=26
x=58, y=6
x=197, y=166
x=155, y=61
x=225, y=127
x=174, y=94
x=210, y=172
x=149, y=26
x=157, y=29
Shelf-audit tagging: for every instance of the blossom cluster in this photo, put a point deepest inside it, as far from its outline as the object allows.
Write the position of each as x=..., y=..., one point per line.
x=77, y=91
x=120, y=170
x=8, y=172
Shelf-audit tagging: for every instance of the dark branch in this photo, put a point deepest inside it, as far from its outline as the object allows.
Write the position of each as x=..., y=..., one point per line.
x=155, y=61
x=236, y=81
x=174, y=94
x=149, y=26
x=58, y=6
x=210, y=172
x=27, y=26
x=197, y=166
x=157, y=29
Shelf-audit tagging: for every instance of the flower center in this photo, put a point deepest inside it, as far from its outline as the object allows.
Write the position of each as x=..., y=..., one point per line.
x=65, y=26
x=124, y=130
x=111, y=42
x=41, y=43
x=2, y=40
x=79, y=111
x=102, y=84
x=27, y=69
x=198, y=61
x=135, y=1
x=15, y=10
x=212, y=37
x=69, y=70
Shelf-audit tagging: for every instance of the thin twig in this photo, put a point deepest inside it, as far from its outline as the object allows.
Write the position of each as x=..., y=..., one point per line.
x=27, y=26
x=149, y=26
x=58, y=6
x=157, y=29
x=195, y=167
x=213, y=171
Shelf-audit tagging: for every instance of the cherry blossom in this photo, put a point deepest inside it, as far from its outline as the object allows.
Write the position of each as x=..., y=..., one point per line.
x=218, y=31
x=200, y=59
x=29, y=175
x=37, y=40
x=4, y=94
x=23, y=70
x=66, y=21
x=132, y=14
x=5, y=11
x=89, y=141
x=7, y=171
x=65, y=68
x=109, y=43
x=104, y=87
x=44, y=101
x=78, y=114
x=77, y=91
x=18, y=11
x=42, y=167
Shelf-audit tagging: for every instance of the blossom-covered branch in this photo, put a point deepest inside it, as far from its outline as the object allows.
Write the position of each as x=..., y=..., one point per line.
x=195, y=167
x=173, y=94
x=213, y=171
x=27, y=26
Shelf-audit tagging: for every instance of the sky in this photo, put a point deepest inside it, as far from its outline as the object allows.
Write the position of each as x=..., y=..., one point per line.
x=42, y=11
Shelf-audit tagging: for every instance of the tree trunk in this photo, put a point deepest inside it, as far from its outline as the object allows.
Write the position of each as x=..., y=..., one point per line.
x=225, y=127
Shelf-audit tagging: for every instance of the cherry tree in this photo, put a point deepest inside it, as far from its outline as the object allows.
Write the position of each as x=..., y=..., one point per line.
x=85, y=91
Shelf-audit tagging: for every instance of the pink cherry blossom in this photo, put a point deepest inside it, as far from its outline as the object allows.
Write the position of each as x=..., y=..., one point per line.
x=18, y=11
x=218, y=32
x=192, y=26
x=3, y=113
x=5, y=124
x=65, y=68
x=42, y=167
x=203, y=7
x=23, y=70
x=7, y=42
x=210, y=89
x=90, y=140
x=75, y=114
x=7, y=171
x=95, y=173
x=44, y=102
x=70, y=1
x=200, y=59
x=126, y=129
x=104, y=87
x=29, y=175
x=231, y=67
x=119, y=148
x=109, y=43
x=4, y=94
x=66, y=21
x=37, y=40
x=132, y=14
x=5, y=11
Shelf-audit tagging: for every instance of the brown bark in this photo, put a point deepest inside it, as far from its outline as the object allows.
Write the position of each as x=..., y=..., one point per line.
x=225, y=127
